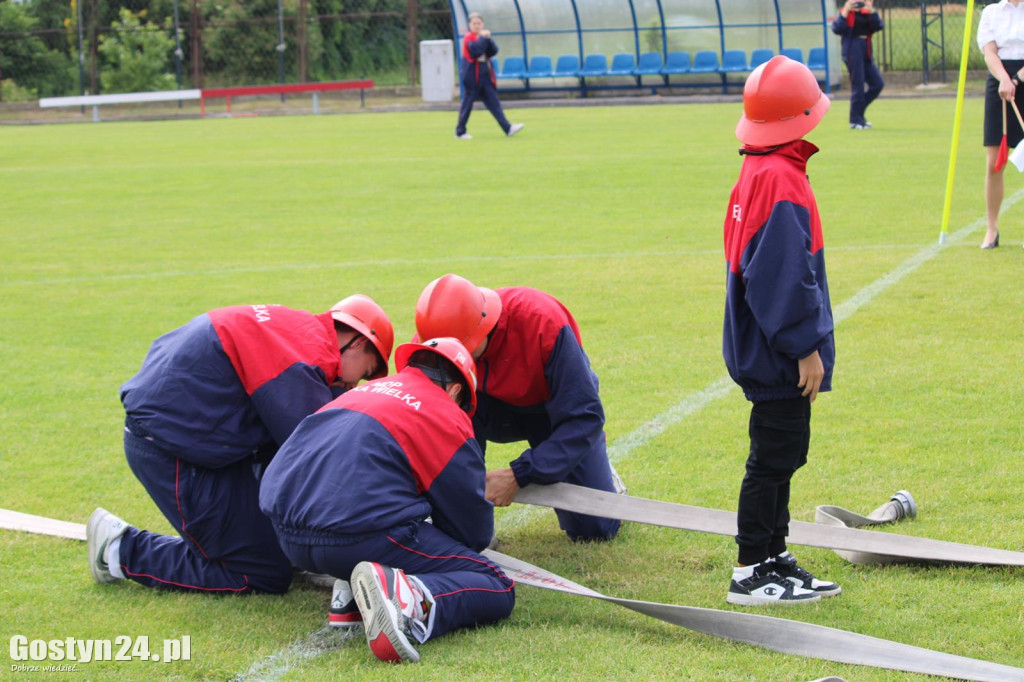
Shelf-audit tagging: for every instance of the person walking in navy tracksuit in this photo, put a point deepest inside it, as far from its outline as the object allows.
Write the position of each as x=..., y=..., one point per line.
x=536, y=385
x=856, y=22
x=211, y=404
x=478, y=78
x=777, y=338
x=350, y=493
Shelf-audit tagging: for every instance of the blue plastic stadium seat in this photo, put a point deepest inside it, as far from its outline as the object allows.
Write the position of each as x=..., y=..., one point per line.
x=816, y=59
x=676, y=62
x=540, y=67
x=568, y=65
x=594, y=65
x=623, y=64
x=705, y=61
x=734, y=61
x=512, y=67
x=649, y=64
x=759, y=57
x=794, y=53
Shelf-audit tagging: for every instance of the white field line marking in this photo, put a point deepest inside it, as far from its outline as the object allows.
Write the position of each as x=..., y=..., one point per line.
x=397, y=261
x=278, y=665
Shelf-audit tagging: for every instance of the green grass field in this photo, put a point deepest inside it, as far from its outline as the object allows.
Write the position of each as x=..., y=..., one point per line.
x=112, y=234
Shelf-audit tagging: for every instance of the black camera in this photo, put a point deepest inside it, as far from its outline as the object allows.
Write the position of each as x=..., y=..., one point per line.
x=858, y=5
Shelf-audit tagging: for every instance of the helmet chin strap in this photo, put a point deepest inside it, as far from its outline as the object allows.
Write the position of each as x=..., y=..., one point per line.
x=355, y=337
x=440, y=377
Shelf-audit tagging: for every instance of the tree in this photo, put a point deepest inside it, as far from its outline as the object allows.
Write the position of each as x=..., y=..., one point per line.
x=26, y=65
x=136, y=55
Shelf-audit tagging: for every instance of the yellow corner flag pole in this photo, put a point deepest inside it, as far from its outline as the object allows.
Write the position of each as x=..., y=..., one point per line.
x=955, y=146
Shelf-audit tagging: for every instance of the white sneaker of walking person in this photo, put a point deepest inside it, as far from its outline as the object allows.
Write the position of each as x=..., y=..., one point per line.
x=463, y=136
x=103, y=541
x=759, y=585
x=396, y=609
x=515, y=128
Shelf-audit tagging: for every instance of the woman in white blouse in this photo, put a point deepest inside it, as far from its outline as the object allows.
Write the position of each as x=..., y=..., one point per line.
x=1001, y=39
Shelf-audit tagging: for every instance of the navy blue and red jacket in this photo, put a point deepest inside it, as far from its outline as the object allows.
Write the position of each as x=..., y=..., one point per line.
x=856, y=28
x=474, y=68
x=534, y=363
x=777, y=308
x=233, y=382
x=392, y=451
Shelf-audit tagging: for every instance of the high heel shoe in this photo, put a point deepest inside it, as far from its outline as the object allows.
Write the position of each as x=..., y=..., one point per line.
x=993, y=245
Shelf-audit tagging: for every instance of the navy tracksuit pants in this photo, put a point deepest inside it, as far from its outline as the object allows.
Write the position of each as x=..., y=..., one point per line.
x=226, y=544
x=863, y=72
x=480, y=89
x=468, y=589
x=499, y=422
x=780, y=434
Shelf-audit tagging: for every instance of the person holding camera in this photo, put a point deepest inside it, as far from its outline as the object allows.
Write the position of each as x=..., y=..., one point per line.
x=1001, y=39
x=856, y=23
x=478, y=79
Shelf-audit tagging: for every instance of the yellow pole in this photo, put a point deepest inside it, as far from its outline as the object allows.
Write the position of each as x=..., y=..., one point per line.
x=955, y=146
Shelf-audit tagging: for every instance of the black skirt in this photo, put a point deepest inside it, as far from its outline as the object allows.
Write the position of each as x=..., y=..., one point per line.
x=994, y=109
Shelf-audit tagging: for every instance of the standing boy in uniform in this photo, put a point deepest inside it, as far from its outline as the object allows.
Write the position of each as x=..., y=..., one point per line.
x=209, y=408
x=778, y=333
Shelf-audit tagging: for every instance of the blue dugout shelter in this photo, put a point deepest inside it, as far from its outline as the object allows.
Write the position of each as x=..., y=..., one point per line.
x=615, y=41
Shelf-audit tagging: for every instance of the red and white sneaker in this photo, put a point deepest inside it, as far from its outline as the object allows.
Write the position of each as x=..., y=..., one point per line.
x=343, y=612
x=386, y=601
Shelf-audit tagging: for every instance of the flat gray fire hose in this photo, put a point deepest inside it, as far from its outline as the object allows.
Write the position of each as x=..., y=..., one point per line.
x=866, y=546
x=778, y=634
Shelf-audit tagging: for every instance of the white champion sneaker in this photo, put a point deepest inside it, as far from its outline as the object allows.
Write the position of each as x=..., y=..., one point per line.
x=762, y=586
x=102, y=529
x=389, y=603
x=343, y=612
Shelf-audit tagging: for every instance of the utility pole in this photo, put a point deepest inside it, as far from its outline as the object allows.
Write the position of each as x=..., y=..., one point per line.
x=303, y=43
x=178, y=54
x=197, y=45
x=413, y=31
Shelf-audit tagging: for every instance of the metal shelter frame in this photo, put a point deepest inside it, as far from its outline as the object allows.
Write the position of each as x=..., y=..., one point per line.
x=515, y=36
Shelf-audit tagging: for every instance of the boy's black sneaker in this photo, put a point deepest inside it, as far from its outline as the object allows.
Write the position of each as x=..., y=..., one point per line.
x=786, y=566
x=766, y=587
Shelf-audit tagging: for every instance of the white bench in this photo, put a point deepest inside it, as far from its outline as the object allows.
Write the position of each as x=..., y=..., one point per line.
x=121, y=98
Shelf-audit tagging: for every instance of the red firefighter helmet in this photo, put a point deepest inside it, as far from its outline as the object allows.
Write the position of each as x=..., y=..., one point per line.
x=453, y=351
x=781, y=102
x=364, y=315
x=453, y=306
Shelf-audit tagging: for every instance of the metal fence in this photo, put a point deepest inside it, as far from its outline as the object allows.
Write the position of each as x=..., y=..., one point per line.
x=67, y=47
x=50, y=48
